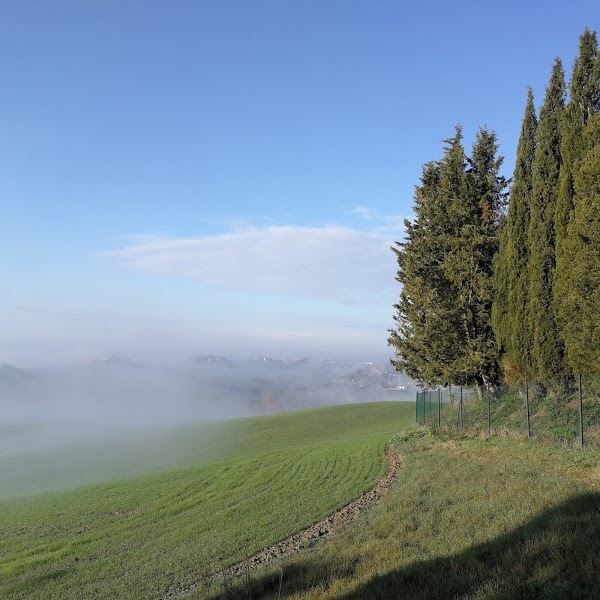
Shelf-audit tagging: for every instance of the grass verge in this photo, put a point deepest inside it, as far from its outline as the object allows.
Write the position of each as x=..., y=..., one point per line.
x=469, y=518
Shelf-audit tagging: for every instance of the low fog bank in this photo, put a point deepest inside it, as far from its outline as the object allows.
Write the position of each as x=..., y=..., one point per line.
x=118, y=392
x=111, y=417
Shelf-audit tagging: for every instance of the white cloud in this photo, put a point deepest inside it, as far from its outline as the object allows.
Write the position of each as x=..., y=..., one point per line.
x=365, y=212
x=383, y=223
x=329, y=263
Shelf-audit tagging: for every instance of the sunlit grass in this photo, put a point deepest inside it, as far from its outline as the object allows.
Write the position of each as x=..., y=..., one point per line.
x=468, y=518
x=142, y=537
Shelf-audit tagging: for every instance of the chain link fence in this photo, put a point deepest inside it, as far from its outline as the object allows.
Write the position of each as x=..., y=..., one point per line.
x=563, y=410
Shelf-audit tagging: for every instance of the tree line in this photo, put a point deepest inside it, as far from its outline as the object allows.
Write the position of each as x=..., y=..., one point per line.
x=503, y=284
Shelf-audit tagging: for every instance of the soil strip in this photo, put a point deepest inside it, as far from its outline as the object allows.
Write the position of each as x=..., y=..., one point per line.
x=307, y=537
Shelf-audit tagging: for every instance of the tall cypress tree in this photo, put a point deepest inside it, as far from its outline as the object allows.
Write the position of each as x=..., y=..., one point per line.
x=469, y=264
x=443, y=332
x=577, y=141
x=577, y=289
x=428, y=337
x=509, y=311
x=547, y=350
x=580, y=316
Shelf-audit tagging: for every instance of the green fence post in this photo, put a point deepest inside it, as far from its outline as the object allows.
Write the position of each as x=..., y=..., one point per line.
x=489, y=403
x=580, y=411
x=439, y=408
x=417, y=408
x=527, y=408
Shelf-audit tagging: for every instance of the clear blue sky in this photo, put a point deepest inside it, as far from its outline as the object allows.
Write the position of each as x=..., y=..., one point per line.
x=227, y=177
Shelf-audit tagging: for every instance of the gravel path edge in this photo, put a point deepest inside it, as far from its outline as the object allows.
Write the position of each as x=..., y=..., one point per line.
x=297, y=542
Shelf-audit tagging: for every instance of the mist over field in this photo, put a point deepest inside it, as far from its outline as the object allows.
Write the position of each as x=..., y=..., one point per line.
x=114, y=417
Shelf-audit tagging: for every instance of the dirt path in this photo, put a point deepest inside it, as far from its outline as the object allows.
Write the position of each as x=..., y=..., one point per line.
x=295, y=543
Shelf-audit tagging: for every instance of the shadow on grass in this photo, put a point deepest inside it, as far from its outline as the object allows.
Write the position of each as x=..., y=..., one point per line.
x=554, y=556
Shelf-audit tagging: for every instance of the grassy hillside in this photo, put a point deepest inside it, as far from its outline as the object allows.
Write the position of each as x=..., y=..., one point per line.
x=141, y=537
x=553, y=408
x=468, y=518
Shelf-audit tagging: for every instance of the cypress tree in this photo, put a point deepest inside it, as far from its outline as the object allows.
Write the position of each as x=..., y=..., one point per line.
x=416, y=269
x=443, y=332
x=452, y=193
x=577, y=288
x=427, y=336
x=580, y=317
x=469, y=264
x=547, y=350
x=576, y=142
x=509, y=311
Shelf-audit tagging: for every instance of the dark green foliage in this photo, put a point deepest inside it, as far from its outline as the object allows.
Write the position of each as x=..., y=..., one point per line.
x=511, y=281
x=546, y=348
x=580, y=301
x=577, y=228
x=427, y=337
x=443, y=330
x=546, y=272
x=469, y=264
x=525, y=289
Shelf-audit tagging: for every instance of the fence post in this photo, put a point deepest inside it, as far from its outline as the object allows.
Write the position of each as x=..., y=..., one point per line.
x=417, y=408
x=527, y=408
x=460, y=407
x=439, y=408
x=489, y=403
x=450, y=393
x=429, y=402
x=580, y=411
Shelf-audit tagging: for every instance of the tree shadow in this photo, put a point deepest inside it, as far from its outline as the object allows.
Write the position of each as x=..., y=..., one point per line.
x=556, y=555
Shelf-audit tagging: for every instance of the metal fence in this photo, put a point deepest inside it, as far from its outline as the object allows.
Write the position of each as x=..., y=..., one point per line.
x=565, y=410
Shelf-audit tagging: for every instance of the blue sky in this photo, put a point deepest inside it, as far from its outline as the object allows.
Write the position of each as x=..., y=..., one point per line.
x=227, y=177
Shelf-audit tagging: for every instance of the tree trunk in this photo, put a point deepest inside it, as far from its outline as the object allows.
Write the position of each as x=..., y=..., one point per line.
x=479, y=384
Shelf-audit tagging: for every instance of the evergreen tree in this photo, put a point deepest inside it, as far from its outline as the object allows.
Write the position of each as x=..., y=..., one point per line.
x=578, y=140
x=444, y=333
x=428, y=335
x=525, y=286
x=577, y=287
x=546, y=350
x=580, y=316
x=509, y=311
x=469, y=264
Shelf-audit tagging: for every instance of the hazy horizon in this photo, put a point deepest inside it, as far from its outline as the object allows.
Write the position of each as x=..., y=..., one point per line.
x=117, y=416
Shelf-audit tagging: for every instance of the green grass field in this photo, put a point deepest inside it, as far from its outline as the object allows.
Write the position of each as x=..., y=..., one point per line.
x=502, y=519
x=471, y=518
x=140, y=537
